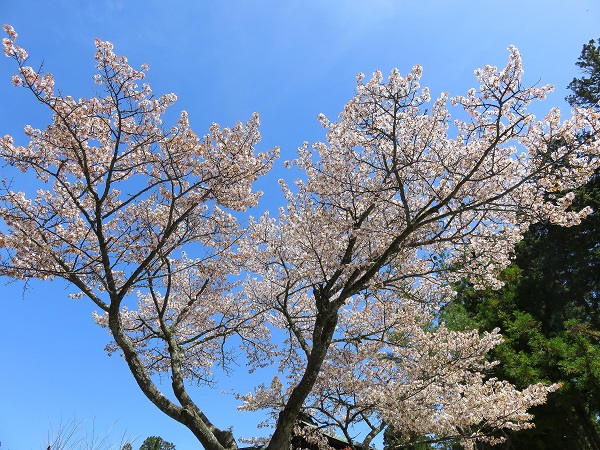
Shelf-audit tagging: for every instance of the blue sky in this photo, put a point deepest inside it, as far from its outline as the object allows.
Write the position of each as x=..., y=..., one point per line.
x=287, y=60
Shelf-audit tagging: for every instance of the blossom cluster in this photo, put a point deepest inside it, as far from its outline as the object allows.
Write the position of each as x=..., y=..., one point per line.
x=120, y=196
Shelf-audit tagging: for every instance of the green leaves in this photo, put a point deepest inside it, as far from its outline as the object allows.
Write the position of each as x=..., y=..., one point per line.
x=586, y=90
x=156, y=443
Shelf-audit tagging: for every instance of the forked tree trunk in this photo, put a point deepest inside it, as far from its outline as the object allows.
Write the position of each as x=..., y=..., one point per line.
x=325, y=324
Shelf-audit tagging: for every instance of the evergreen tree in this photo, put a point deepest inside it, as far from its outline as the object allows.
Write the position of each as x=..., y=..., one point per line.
x=586, y=90
x=156, y=443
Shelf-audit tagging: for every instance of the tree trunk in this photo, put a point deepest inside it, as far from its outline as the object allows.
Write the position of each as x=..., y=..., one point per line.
x=325, y=324
x=209, y=436
x=590, y=429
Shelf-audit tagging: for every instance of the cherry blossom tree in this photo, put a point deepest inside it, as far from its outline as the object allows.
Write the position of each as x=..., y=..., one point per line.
x=391, y=211
x=400, y=202
x=122, y=196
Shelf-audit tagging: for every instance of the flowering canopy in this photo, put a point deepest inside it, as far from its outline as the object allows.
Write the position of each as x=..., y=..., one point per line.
x=399, y=203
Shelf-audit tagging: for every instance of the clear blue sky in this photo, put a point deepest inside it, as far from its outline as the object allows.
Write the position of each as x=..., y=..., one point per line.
x=287, y=60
